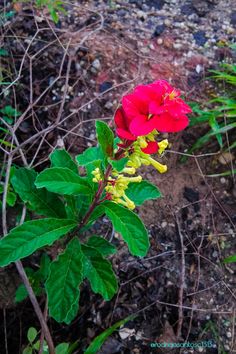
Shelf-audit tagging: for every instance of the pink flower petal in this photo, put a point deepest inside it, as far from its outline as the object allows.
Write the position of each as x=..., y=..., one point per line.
x=166, y=123
x=133, y=105
x=154, y=108
x=124, y=134
x=140, y=125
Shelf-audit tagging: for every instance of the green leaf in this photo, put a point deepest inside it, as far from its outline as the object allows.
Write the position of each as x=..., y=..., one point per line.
x=44, y=266
x=54, y=16
x=144, y=190
x=36, y=345
x=28, y=350
x=36, y=278
x=61, y=158
x=10, y=111
x=73, y=310
x=62, y=286
x=90, y=155
x=41, y=201
x=101, y=245
x=99, y=340
x=11, y=198
x=21, y=293
x=62, y=348
x=23, y=240
x=118, y=165
x=99, y=272
x=128, y=224
x=3, y=52
x=215, y=127
x=230, y=259
x=31, y=334
x=63, y=181
x=105, y=138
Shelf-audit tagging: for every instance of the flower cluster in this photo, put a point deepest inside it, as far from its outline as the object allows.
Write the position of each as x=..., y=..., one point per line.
x=117, y=184
x=145, y=113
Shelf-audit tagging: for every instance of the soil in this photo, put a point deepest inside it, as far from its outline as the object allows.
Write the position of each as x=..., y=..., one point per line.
x=66, y=76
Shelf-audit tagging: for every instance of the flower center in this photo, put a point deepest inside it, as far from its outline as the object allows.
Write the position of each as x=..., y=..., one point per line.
x=172, y=95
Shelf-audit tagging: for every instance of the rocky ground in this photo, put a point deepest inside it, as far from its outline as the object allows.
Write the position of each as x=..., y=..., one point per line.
x=74, y=72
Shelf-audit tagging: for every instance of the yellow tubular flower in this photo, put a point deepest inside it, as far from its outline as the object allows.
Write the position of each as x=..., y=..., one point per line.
x=158, y=166
x=130, y=204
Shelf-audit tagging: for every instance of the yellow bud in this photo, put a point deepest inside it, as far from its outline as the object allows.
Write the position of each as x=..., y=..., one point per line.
x=151, y=136
x=135, y=179
x=142, y=142
x=129, y=170
x=162, y=146
x=134, y=161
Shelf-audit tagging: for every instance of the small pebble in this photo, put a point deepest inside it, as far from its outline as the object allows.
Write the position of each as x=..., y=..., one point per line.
x=228, y=334
x=163, y=224
x=159, y=30
x=222, y=180
x=215, y=254
x=96, y=64
x=167, y=22
x=200, y=38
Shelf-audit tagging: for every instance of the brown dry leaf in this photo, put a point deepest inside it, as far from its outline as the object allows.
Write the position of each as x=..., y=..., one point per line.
x=17, y=6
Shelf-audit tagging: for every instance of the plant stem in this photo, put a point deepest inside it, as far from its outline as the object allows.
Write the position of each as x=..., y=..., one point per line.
x=96, y=198
x=36, y=306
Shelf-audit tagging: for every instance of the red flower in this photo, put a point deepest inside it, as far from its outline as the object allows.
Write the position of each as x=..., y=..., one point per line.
x=151, y=148
x=153, y=106
x=123, y=123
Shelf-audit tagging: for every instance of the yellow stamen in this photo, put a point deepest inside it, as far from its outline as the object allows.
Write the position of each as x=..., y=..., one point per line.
x=172, y=95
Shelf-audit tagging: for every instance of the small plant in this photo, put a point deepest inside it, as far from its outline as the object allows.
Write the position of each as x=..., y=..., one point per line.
x=70, y=195
x=34, y=344
x=53, y=6
x=9, y=113
x=219, y=113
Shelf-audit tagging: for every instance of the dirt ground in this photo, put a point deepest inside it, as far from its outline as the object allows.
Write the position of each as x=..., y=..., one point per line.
x=64, y=77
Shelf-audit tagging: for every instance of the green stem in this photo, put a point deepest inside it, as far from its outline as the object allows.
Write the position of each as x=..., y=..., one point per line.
x=96, y=198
